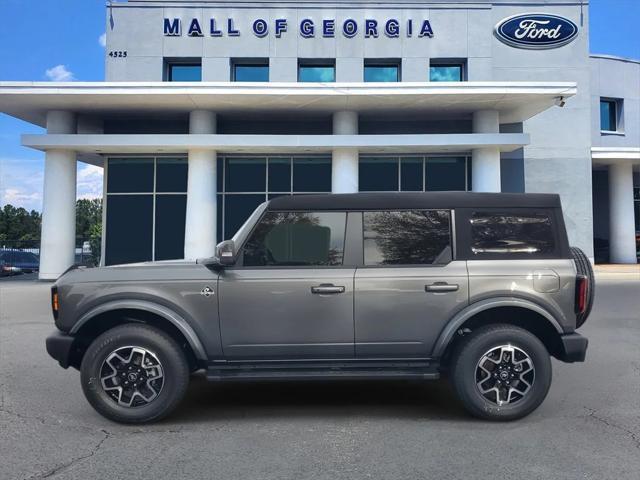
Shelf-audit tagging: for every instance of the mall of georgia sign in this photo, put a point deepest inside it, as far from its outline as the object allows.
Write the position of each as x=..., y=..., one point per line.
x=536, y=31
x=307, y=28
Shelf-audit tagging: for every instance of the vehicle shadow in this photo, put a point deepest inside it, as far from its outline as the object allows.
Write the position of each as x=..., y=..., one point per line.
x=429, y=400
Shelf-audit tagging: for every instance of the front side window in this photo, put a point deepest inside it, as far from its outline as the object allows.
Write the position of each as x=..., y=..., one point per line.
x=412, y=237
x=446, y=72
x=289, y=239
x=608, y=115
x=316, y=72
x=184, y=72
x=511, y=233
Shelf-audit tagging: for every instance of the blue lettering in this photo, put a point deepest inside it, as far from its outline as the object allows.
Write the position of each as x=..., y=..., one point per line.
x=307, y=28
x=230, y=30
x=349, y=28
x=328, y=28
x=194, y=28
x=409, y=28
x=426, y=30
x=212, y=29
x=172, y=27
x=370, y=28
x=281, y=26
x=392, y=28
x=260, y=28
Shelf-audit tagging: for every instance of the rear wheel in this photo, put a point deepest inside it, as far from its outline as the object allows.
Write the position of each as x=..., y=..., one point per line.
x=501, y=372
x=134, y=374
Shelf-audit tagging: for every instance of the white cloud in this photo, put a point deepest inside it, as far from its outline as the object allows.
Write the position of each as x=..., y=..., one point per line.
x=19, y=197
x=102, y=40
x=89, y=181
x=21, y=182
x=59, y=73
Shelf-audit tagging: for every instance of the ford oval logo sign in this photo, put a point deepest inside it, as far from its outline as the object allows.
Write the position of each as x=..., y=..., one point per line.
x=536, y=31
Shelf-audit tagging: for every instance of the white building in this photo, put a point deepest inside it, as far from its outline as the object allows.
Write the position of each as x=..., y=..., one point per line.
x=211, y=107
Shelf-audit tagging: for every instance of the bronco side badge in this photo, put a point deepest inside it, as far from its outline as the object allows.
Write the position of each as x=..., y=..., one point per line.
x=207, y=291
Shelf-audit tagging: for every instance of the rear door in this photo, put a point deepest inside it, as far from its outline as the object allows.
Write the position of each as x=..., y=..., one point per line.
x=292, y=295
x=409, y=286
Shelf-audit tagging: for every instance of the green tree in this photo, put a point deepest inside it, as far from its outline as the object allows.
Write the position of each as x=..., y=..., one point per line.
x=88, y=214
x=89, y=225
x=19, y=225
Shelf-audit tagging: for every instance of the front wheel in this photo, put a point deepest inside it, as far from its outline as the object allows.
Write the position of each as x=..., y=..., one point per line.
x=501, y=372
x=134, y=374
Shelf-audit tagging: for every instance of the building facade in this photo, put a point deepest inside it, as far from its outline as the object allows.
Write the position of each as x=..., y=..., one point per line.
x=210, y=108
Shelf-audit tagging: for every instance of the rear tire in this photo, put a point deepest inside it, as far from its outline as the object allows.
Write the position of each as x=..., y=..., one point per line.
x=134, y=374
x=583, y=266
x=487, y=384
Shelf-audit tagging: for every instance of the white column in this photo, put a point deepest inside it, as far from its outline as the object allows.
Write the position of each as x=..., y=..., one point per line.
x=58, y=233
x=344, y=165
x=200, y=227
x=485, y=162
x=622, y=241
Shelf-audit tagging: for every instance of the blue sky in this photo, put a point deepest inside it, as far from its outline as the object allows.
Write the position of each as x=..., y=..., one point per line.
x=60, y=40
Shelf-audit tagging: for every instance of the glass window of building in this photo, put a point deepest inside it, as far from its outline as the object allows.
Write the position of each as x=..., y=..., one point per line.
x=255, y=70
x=445, y=174
x=381, y=71
x=316, y=71
x=413, y=237
x=183, y=71
x=145, y=209
x=297, y=239
x=413, y=173
x=245, y=182
x=609, y=115
x=446, y=71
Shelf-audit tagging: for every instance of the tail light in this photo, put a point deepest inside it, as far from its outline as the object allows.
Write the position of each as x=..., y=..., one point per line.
x=582, y=286
x=55, y=303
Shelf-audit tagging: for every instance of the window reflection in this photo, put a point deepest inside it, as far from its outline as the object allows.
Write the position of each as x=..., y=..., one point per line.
x=297, y=239
x=511, y=233
x=407, y=237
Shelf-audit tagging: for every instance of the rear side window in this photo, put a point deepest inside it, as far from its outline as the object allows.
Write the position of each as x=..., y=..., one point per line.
x=512, y=233
x=297, y=239
x=412, y=237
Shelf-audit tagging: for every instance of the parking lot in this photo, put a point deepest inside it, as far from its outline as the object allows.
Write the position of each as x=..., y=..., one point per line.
x=588, y=428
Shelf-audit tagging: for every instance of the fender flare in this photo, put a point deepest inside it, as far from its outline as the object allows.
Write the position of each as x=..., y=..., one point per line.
x=458, y=320
x=147, y=306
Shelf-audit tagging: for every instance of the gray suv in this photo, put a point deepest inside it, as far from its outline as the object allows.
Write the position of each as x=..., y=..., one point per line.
x=480, y=287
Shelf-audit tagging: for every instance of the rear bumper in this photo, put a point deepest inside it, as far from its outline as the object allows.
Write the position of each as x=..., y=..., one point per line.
x=59, y=346
x=574, y=348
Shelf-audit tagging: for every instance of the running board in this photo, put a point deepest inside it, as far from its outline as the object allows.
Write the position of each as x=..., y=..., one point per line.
x=311, y=370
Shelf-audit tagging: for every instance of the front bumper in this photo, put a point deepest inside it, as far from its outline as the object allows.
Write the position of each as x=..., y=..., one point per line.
x=60, y=347
x=574, y=348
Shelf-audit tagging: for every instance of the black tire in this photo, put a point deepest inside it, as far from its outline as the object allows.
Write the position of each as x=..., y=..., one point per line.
x=583, y=266
x=465, y=363
x=167, y=394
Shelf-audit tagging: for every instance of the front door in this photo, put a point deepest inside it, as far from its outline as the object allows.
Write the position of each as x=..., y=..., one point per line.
x=409, y=285
x=289, y=296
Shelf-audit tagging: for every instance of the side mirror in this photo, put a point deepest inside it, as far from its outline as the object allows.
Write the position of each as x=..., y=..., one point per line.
x=225, y=251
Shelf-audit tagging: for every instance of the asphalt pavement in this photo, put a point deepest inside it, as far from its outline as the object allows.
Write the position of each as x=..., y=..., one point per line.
x=588, y=427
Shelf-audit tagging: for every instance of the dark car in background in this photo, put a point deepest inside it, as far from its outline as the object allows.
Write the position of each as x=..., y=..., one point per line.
x=14, y=262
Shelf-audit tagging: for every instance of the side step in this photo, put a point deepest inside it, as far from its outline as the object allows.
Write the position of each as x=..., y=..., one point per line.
x=313, y=370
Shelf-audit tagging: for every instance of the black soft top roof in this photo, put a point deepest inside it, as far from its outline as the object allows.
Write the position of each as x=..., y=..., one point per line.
x=406, y=200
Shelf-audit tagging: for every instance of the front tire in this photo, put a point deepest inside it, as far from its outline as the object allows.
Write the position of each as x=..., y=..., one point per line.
x=501, y=372
x=134, y=374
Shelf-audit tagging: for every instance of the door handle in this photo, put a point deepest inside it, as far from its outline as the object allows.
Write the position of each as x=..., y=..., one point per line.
x=441, y=287
x=327, y=289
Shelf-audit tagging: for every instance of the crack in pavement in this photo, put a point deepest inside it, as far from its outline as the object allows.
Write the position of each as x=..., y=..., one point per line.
x=65, y=466
x=633, y=435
